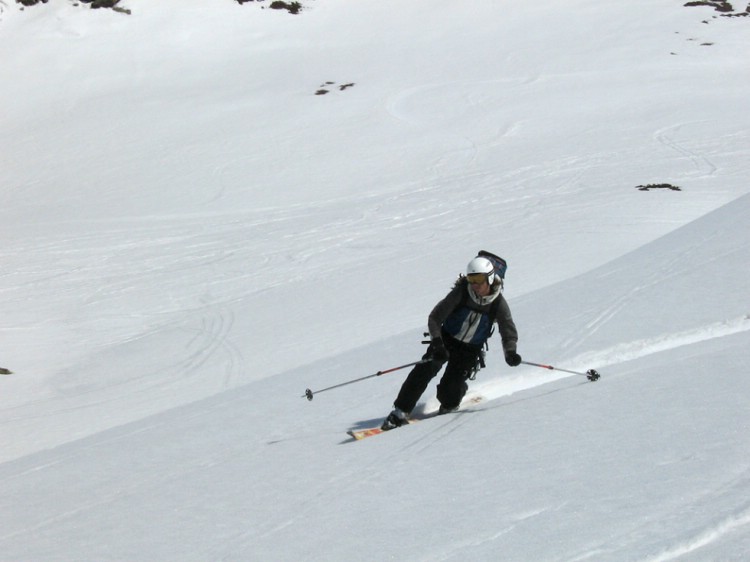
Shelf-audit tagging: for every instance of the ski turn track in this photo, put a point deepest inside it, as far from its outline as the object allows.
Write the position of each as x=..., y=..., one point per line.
x=719, y=526
x=614, y=355
x=641, y=348
x=709, y=536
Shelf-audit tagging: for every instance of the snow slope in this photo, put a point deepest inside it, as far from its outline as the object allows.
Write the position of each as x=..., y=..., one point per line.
x=192, y=237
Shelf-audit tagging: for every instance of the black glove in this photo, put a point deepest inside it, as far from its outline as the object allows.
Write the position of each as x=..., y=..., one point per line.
x=513, y=359
x=439, y=353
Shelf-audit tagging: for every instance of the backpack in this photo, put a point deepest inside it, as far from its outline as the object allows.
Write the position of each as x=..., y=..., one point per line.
x=497, y=262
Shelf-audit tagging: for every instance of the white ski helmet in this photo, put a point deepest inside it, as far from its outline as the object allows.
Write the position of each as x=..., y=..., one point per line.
x=481, y=266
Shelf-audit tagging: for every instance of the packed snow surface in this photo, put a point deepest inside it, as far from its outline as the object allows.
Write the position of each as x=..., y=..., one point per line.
x=209, y=207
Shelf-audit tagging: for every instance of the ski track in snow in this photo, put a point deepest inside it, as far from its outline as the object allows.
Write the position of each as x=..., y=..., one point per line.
x=641, y=348
x=710, y=535
x=619, y=353
x=719, y=526
x=665, y=136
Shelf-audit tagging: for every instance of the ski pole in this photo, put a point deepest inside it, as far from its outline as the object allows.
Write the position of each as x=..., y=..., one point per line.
x=309, y=393
x=591, y=374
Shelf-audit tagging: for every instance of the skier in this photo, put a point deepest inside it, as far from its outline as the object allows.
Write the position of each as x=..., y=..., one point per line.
x=459, y=326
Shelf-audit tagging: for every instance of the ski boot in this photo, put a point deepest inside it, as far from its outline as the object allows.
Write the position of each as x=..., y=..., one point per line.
x=395, y=419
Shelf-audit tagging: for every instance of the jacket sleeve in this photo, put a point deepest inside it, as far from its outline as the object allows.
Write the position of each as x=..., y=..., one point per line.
x=508, y=331
x=442, y=310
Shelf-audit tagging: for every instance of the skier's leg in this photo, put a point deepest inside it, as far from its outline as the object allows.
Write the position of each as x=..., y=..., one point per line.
x=416, y=383
x=452, y=387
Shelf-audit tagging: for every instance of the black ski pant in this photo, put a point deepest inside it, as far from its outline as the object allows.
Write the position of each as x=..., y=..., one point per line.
x=452, y=386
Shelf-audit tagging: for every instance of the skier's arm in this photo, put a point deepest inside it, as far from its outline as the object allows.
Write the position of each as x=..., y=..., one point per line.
x=507, y=326
x=442, y=310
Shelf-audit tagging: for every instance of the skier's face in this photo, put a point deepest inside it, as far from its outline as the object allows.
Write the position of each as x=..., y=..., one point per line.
x=481, y=289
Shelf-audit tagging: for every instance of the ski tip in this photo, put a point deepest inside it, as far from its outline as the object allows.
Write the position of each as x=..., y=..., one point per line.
x=359, y=434
x=5, y=371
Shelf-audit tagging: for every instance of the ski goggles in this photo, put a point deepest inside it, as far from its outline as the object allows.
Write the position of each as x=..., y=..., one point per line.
x=477, y=278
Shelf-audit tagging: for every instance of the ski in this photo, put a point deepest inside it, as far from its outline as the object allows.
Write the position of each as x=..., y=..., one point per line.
x=360, y=434
x=4, y=371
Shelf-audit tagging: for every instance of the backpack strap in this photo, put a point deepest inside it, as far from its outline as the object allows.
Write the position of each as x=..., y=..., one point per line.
x=467, y=302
